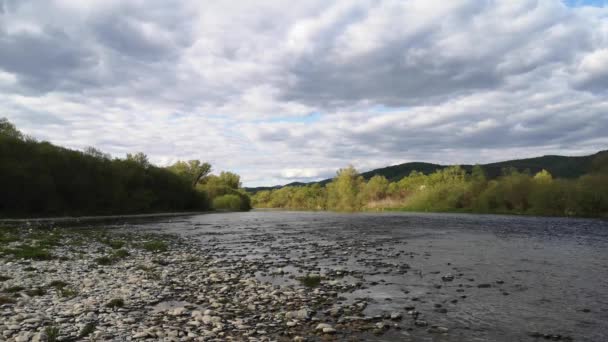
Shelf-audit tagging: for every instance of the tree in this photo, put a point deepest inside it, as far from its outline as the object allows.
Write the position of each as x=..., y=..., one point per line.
x=93, y=152
x=543, y=177
x=9, y=130
x=376, y=188
x=139, y=158
x=193, y=170
x=343, y=193
x=231, y=180
x=600, y=163
x=478, y=174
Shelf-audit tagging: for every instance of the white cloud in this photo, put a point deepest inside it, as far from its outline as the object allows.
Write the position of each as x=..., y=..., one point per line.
x=234, y=83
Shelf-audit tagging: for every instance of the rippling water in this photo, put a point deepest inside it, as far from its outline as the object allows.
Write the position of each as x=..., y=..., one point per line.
x=547, y=275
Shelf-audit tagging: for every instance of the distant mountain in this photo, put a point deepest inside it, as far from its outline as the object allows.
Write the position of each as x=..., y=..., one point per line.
x=558, y=166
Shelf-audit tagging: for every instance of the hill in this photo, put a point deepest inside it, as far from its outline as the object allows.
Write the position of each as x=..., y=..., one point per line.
x=558, y=166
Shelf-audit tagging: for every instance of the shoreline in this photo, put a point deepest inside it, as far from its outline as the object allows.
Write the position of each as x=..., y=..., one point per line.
x=74, y=284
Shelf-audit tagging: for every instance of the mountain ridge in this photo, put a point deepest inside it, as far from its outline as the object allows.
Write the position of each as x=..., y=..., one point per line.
x=559, y=166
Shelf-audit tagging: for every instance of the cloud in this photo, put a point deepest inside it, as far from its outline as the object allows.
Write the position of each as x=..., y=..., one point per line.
x=236, y=83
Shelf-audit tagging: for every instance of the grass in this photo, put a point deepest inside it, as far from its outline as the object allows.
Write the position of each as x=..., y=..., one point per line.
x=310, y=280
x=104, y=260
x=115, y=244
x=29, y=269
x=120, y=254
x=116, y=303
x=8, y=235
x=87, y=330
x=6, y=300
x=4, y=278
x=52, y=334
x=67, y=292
x=29, y=252
x=155, y=246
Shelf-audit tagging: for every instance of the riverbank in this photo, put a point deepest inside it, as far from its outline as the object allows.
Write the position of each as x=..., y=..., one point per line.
x=71, y=284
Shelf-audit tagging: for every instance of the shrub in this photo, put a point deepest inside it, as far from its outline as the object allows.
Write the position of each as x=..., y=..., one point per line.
x=227, y=202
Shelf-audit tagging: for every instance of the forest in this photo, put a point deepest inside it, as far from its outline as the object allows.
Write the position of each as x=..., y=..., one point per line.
x=41, y=179
x=453, y=189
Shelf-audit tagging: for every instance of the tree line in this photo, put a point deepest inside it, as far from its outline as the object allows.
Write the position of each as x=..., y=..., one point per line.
x=453, y=189
x=41, y=179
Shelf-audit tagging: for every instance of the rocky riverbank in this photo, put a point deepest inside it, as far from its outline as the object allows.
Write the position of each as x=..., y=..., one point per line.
x=67, y=285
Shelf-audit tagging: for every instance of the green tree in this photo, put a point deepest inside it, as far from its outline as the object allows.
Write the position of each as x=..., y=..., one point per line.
x=231, y=180
x=139, y=158
x=543, y=177
x=376, y=188
x=343, y=193
x=9, y=130
x=194, y=171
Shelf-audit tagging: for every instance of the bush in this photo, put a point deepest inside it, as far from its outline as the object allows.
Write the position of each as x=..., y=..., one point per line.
x=228, y=202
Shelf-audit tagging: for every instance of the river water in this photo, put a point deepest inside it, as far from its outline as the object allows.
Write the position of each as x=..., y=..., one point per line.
x=537, y=275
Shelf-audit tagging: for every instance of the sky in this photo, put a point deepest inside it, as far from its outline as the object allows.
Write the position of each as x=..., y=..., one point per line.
x=283, y=91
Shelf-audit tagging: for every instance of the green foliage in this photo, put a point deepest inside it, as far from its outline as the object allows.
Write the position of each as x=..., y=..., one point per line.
x=7, y=129
x=87, y=330
x=225, y=192
x=227, y=202
x=120, y=254
x=56, y=181
x=376, y=188
x=310, y=280
x=344, y=192
x=452, y=189
x=155, y=246
x=104, y=261
x=52, y=334
x=193, y=171
x=67, y=292
x=115, y=244
x=29, y=252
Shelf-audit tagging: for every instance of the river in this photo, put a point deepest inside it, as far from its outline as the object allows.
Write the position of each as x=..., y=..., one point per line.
x=484, y=277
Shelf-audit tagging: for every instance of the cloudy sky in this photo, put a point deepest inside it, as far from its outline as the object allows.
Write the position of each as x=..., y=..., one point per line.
x=282, y=91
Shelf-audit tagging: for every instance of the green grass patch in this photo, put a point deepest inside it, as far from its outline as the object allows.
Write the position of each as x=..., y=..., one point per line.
x=87, y=330
x=67, y=292
x=115, y=244
x=310, y=280
x=104, y=261
x=116, y=303
x=52, y=334
x=8, y=235
x=29, y=252
x=155, y=246
x=120, y=254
